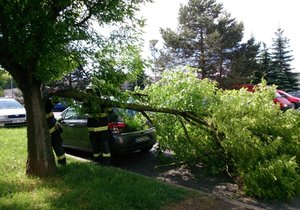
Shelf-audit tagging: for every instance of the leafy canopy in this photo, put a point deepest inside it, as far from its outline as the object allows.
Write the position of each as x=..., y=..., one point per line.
x=51, y=37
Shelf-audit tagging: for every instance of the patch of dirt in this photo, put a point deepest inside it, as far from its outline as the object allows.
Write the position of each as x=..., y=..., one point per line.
x=205, y=203
x=215, y=192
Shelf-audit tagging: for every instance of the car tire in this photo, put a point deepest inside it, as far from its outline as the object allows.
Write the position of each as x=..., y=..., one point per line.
x=295, y=106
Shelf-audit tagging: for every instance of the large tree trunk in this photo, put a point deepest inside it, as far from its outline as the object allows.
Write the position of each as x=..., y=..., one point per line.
x=40, y=160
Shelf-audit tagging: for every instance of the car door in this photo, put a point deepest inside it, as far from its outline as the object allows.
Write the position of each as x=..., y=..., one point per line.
x=75, y=133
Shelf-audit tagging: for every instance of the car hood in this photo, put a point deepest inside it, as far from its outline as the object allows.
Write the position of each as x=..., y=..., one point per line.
x=283, y=102
x=12, y=111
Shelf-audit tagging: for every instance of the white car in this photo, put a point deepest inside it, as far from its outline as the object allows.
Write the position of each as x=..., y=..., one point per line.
x=12, y=113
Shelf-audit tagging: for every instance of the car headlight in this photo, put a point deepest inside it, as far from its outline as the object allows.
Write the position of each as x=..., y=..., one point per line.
x=3, y=118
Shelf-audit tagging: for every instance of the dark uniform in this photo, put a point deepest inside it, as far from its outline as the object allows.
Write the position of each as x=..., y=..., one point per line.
x=54, y=130
x=97, y=124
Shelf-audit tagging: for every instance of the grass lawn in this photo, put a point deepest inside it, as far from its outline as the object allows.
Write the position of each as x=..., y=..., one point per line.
x=78, y=185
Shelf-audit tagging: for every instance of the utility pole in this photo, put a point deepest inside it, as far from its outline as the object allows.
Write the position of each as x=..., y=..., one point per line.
x=153, y=42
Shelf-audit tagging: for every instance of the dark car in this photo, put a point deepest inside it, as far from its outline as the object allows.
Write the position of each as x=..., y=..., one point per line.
x=292, y=99
x=125, y=138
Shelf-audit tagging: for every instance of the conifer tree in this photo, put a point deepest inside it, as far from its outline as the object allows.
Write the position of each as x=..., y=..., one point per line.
x=205, y=38
x=281, y=73
x=244, y=63
x=264, y=65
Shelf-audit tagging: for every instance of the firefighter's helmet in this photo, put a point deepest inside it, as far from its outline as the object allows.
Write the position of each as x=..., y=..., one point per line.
x=91, y=87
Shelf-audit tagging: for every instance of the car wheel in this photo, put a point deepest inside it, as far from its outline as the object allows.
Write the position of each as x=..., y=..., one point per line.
x=295, y=106
x=146, y=149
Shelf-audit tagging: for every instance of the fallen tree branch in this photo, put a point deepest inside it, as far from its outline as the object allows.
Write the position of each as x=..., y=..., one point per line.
x=81, y=96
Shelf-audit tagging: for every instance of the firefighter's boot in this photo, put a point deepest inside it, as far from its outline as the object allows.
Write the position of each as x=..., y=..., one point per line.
x=106, y=159
x=62, y=161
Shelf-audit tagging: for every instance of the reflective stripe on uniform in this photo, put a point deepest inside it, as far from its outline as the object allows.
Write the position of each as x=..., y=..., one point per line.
x=50, y=114
x=97, y=154
x=97, y=129
x=61, y=157
x=51, y=130
x=101, y=115
x=106, y=155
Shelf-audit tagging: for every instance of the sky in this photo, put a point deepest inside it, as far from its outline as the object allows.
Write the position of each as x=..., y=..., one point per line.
x=261, y=19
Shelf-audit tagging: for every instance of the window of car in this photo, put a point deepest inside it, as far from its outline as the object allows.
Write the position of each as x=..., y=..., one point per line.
x=10, y=104
x=70, y=114
x=277, y=95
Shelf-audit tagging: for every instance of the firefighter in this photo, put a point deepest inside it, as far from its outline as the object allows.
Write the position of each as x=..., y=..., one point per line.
x=55, y=131
x=97, y=124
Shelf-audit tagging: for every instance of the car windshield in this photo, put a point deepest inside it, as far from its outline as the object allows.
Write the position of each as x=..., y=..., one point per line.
x=286, y=94
x=277, y=95
x=10, y=104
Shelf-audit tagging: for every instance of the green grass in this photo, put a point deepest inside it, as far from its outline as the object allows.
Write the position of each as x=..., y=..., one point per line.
x=78, y=185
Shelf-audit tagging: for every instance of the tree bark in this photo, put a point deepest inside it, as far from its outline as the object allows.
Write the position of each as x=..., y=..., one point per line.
x=40, y=160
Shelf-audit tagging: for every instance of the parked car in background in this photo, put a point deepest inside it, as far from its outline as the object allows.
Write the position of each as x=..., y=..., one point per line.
x=124, y=137
x=295, y=93
x=284, y=103
x=292, y=99
x=12, y=113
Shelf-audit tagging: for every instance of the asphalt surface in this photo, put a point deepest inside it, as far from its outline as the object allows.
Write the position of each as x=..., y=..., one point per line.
x=179, y=174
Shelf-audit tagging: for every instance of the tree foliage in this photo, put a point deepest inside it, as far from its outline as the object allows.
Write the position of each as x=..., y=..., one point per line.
x=264, y=65
x=5, y=81
x=275, y=64
x=41, y=41
x=244, y=64
x=209, y=39
x=234, y=131
x=205, y=39
x=281, y=73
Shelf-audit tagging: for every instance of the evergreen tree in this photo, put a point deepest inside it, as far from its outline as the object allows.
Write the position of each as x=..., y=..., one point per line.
x=244, y=64
x=264, y=69
x=281, y=74
x=205, y=38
